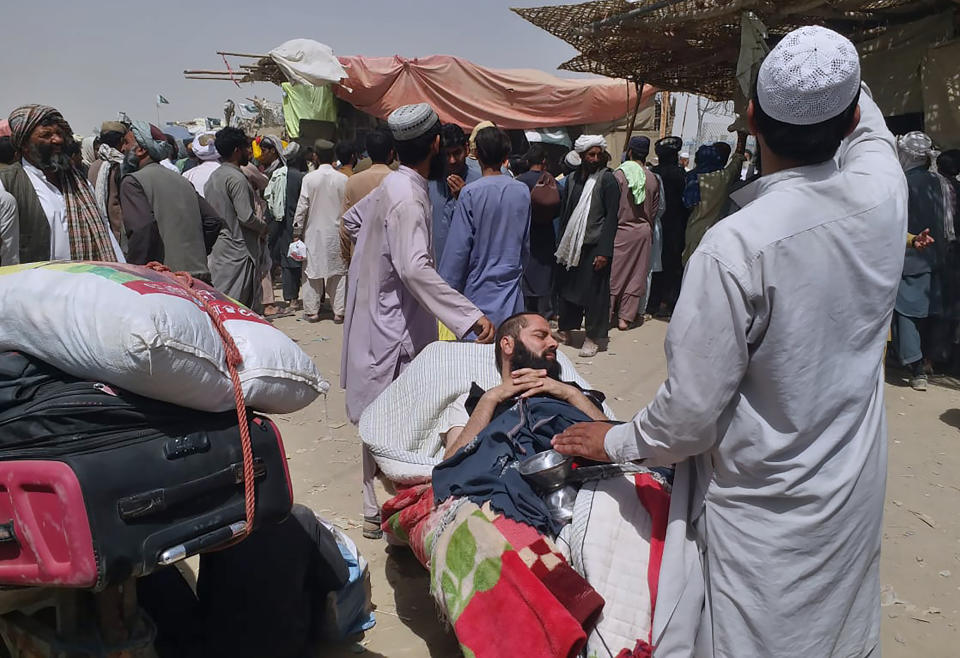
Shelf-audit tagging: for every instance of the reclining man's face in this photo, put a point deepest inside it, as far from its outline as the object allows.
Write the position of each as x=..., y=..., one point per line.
x=536, y=348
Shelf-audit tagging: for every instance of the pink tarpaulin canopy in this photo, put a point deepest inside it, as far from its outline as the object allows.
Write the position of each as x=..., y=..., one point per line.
x=462, y=92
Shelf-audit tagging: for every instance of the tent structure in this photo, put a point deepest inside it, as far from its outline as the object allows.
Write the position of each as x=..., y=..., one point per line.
x=466, y=94
x=693, y=45
x=461, y=91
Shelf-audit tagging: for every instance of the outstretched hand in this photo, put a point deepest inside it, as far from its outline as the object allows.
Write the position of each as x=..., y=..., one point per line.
x=583, y=440
x=484, y=330
x=922, y=240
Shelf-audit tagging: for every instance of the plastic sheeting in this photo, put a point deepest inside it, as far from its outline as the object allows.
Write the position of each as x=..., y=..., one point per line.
x=307, y=62
x=466, y=94
x=306, y=102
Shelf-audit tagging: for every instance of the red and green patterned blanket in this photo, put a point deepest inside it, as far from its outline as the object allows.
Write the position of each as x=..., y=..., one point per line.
x=501, y=584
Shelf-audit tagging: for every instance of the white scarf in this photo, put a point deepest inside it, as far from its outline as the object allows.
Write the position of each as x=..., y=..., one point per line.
x=568, y=253
x=110, y=157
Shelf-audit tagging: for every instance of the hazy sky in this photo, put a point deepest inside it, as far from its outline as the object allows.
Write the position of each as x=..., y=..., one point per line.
x=92, y=58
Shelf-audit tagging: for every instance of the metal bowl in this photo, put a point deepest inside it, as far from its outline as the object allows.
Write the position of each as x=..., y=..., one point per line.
x=547, y=470
x=560, y=503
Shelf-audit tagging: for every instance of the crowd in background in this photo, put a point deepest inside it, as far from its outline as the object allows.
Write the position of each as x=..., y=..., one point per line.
x=582, y=244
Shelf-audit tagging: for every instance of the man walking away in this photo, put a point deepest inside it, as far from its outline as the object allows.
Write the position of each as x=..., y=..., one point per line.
x=317, y=222
x=489, y=239
x=920, y=295
x=380, y=150
x=396, y=296
x=639, y=205
x=347, y=157
x=291, y=270
x=773, y=410
x=165, y=219
x=588, y=226
x=544, y=208
x=236, y=254
x=666, y=283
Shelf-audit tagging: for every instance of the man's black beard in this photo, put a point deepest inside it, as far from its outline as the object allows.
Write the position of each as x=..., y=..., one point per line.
x=590, y=168
x=43, y=157
x=130, y=164
x=438, y=168
x=525, y=358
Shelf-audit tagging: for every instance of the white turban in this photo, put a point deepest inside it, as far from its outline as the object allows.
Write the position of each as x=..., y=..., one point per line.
x=573, y=159
x=914, y=150
x=206, y=151
x=586, y=142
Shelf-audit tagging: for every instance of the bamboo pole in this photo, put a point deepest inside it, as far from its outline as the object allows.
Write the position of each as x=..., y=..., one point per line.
x=636, y=110
x=664, y=113
x=220, y=52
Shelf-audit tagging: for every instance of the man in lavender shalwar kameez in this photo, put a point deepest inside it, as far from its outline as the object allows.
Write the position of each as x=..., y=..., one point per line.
x=396, y=296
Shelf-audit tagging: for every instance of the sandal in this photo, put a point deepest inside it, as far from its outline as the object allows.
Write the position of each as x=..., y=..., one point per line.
x=371, y=527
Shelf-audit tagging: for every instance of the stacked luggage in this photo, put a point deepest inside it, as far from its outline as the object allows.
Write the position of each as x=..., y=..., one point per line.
x=121, y=446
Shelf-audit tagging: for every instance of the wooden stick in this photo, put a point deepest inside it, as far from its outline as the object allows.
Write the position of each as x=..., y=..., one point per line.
x=636, y=110
x=204, y=72
x=220, y=52
x=664, y=113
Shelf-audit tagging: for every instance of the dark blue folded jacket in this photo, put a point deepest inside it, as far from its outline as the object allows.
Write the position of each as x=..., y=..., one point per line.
x=486, y=469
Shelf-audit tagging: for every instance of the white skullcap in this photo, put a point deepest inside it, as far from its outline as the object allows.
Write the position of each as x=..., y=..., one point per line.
x=203, y=147
x=586, y=142
x=411, y=121
x=811, y=76
x=573, y=159
x=685, y=154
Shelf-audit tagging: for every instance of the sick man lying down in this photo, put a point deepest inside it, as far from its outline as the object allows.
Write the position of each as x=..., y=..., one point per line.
x=490, y=432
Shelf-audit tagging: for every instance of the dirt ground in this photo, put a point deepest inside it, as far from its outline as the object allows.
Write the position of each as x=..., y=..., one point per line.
x=920, y=568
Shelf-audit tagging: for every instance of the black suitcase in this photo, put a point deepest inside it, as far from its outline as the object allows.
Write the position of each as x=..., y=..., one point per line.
x=97, y=484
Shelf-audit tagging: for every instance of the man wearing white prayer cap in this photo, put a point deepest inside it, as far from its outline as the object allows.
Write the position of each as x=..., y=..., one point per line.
x=396, y=297
x=773, y=411
x=588, y=226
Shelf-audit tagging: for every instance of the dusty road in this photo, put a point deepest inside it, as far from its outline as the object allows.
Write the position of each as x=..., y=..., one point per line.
x=921, y=552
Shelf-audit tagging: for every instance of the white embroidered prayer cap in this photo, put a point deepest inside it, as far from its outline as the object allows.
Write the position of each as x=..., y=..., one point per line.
x=410, y=121
x=811, y=76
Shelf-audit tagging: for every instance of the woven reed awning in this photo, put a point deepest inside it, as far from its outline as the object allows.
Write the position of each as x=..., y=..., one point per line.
x=693, y=45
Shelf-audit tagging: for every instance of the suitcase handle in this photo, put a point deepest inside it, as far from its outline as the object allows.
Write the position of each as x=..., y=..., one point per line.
x=159, y=500
x=194, y=546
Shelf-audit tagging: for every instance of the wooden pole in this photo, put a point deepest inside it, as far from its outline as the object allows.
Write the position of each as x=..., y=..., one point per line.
x=636, y=110
x=664, y=113
x=220, y=52
x=205, y=72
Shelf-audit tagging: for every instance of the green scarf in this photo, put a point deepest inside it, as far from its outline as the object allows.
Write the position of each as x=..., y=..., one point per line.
x=636, y=179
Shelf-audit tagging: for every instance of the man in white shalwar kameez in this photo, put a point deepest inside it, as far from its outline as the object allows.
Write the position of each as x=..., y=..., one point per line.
x=318, y=220
x=773, y=409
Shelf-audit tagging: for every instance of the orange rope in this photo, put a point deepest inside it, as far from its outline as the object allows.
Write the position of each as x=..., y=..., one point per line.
x=234, y=359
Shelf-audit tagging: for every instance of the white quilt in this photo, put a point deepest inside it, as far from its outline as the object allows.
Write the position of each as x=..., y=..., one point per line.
x=402, y=426
x=608, y=543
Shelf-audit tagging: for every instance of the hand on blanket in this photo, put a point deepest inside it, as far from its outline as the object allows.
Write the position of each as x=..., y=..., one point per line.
x=583, y=440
